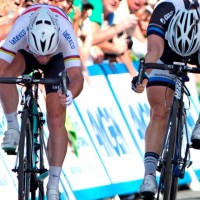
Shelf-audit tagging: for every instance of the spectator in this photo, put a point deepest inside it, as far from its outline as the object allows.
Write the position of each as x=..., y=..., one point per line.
x=9, y=11
x=28, y=3
x=116, y=49
x=43, y=1
x=98, y=35
x=65, y=5
x=85, y=39
x=144, y=15
x=134, y=8
x=102, y=34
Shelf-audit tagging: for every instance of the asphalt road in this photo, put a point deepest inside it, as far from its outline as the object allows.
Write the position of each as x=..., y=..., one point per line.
x=183, y=194
x=188, y=195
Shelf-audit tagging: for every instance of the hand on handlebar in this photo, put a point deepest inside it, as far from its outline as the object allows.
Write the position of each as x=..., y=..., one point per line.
x=139, y=88
x=65, y=101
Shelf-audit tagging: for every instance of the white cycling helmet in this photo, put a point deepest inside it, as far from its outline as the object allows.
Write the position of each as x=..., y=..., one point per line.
x=184, y=32
x=43, y=32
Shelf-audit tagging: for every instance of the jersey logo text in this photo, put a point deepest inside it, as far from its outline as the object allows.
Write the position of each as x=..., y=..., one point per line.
x=17, y=37
x=69, y=39
x=166, y=17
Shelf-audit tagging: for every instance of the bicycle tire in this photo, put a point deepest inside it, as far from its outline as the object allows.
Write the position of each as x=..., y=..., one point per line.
x=25, y=158
x=37, y=189
x=41, y=164
x=169, y=179
x=38, y=153
x=178, y=151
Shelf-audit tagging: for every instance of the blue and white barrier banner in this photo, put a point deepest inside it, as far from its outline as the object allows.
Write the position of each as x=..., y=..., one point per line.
x=8, y=179
x=109, y=132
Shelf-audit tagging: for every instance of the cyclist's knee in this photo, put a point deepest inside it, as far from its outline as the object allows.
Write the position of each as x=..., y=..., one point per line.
x=159, y=113
x=56, y=119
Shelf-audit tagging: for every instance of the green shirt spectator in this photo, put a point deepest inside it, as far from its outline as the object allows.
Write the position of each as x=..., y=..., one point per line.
x=96, y=13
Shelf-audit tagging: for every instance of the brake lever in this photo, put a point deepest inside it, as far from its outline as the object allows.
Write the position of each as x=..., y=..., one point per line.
x=141, y=71
x=65, y=82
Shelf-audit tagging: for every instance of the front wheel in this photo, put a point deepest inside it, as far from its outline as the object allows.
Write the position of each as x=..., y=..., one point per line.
x=168, y=182
x=25, y=157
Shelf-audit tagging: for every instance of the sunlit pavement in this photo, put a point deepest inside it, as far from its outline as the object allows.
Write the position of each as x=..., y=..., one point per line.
x=185, y=194
x=188, y=195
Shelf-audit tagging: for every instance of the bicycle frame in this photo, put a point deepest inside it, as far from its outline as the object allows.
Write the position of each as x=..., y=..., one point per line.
x=31, y=144
x=38, y=123
x=171, y=160
x=175, y=155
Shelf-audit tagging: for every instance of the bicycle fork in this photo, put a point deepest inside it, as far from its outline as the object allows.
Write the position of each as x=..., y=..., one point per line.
x=38, y=135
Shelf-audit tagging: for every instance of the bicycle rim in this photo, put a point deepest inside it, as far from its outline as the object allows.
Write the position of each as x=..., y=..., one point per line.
x=24, y=176
x=168, y=177
x=29, y=160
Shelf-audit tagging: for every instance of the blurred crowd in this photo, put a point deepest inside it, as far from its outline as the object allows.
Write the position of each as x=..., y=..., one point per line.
x=107, y=30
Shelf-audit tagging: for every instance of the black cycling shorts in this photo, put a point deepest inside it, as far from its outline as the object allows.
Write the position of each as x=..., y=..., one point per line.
x=51, y=70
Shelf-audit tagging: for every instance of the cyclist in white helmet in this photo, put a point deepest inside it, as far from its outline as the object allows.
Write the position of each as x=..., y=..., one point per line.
x=42, y=37
x=40, y=42
x=172, y=33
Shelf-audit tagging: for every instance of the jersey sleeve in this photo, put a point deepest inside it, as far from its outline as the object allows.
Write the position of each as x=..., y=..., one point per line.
x=69, y=46
x=15, y=40
x=160, y=18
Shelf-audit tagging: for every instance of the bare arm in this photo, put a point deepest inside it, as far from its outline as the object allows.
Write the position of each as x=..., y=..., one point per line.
x=111, y=48
x=155, y=48
x=76, y=80
x=126, y=59
x=107, y=34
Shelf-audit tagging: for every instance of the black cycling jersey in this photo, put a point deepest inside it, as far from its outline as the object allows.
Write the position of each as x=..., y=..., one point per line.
x=158, y=25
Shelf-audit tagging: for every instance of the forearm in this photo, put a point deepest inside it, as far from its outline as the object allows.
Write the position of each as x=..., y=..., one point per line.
x=126, y=59
x=105, y=35
x=108, y=47
x=76, y=80
x=155, y=48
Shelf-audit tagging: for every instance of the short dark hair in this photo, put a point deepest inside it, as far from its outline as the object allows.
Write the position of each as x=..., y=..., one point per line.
x=87, y=5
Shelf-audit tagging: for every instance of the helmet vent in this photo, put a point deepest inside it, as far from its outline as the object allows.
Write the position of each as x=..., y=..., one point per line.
x=35, y=41
x=43, y=45
x=39, y=22
x=47, y=22
x=51, y=41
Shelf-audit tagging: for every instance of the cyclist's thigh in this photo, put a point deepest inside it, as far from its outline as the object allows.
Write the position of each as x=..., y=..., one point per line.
x=160, y=88
x=53, y=70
